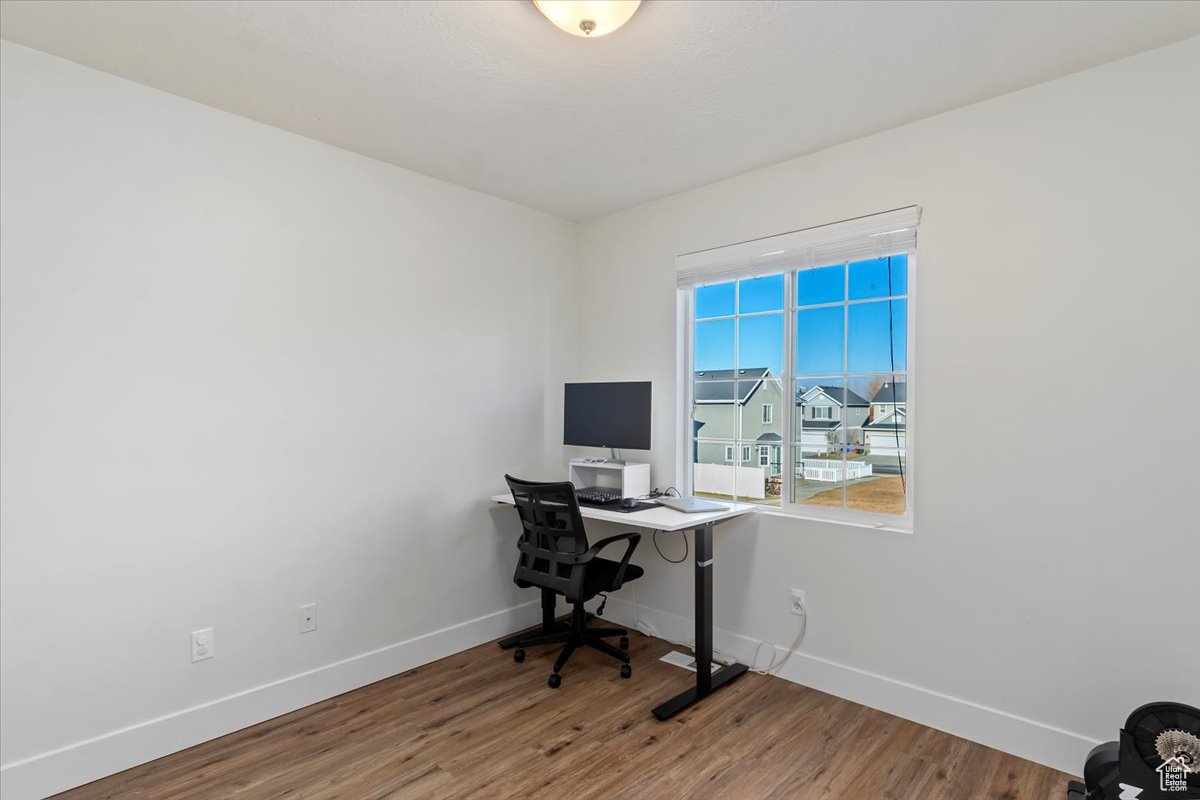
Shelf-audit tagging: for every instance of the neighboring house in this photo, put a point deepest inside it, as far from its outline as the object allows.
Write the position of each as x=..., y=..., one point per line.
x=826, y=412
x=718, y=396
x=885, y=433
x=823, y=412
x=890, y=397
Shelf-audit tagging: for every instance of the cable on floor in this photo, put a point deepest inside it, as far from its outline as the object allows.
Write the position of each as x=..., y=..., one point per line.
x=772, y=665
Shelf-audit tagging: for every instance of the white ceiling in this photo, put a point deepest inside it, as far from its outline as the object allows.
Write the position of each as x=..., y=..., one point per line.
x=491, y=96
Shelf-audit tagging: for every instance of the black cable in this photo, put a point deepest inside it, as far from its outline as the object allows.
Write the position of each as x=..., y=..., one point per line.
x=654, y=539
x=654, y=535
x=892, y=359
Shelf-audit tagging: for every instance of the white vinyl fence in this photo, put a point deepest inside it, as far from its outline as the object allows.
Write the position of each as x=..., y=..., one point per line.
x=719, y=479
x=812, y=469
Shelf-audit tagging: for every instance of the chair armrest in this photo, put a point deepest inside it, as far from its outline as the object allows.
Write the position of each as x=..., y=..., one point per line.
x=633, y=538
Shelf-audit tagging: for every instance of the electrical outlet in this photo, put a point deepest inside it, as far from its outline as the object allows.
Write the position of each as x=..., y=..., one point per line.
x=308, y=618
x=799, y=602
x=204, y=646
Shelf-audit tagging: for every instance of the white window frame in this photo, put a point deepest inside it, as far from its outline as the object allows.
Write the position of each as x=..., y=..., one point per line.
x=685, y=351
x=764, y=455
x=826, y=412
x=747, y=454
x=728, y=455
x=768, y=414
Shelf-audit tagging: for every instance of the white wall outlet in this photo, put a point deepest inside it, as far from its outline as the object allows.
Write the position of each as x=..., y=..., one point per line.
x=204, y=646
x=308, y=618
x=799, y=602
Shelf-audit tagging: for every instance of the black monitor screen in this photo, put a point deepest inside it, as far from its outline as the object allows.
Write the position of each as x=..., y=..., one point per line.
x=607, y=415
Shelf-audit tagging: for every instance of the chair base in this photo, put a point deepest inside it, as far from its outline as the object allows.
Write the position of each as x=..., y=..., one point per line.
x=576, y=636
x=550, y=624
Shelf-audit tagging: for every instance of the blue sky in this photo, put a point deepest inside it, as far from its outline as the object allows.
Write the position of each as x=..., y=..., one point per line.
x=821, y=334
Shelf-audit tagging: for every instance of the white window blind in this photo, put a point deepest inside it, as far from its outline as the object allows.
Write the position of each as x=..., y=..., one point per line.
x=858, y=239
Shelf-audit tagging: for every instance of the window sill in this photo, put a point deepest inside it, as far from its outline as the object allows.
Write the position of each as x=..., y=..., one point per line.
x=900, y=526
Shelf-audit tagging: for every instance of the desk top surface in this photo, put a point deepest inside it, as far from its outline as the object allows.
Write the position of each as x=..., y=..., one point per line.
x=660, y=518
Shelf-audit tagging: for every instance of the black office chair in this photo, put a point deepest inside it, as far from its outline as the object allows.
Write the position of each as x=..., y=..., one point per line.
x=554, y=555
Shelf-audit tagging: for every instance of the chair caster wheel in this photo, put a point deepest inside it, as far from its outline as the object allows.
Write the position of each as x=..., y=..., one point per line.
x=554, y=681
x=519, y=655
x=626, y=670
x=624, y=642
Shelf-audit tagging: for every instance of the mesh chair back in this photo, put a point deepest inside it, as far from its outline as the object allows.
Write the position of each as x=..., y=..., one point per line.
x=552, y=536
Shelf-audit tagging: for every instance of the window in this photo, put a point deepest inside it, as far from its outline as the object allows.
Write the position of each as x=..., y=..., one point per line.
x=824, y=336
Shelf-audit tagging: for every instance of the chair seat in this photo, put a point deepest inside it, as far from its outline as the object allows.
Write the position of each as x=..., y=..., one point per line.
x=600, y=575
x=602, y=572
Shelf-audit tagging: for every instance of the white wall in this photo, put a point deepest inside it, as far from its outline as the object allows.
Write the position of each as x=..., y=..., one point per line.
x=243, y=370
x=1058, y=266
x=236, y=361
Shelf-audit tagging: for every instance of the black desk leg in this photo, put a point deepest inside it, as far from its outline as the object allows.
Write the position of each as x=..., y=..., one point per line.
x=706, y=681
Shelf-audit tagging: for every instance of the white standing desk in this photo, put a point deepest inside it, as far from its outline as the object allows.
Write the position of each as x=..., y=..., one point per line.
x=666, y=519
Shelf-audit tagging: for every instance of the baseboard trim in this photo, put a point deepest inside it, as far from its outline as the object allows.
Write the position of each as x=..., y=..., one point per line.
x=83, y=762
x=1036, y=741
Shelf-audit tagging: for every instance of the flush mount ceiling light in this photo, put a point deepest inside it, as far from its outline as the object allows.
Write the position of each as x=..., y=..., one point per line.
x=590, y=18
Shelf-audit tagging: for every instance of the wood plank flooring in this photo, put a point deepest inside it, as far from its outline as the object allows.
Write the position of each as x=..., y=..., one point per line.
x=477, y=726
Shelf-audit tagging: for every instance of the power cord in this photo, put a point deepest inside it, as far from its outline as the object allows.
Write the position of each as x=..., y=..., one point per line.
x=772, y=665
x=654, y=494
x=657, y=493
x=649, y=630
x=683, y=535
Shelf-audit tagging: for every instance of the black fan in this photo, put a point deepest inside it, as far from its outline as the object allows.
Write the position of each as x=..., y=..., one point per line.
x=1158, y=758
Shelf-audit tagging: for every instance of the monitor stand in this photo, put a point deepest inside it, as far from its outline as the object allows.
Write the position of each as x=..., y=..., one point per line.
x=614, y=456
x=632, y=478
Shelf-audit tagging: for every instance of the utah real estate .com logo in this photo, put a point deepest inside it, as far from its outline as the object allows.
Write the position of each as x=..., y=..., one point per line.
x=1172, y=777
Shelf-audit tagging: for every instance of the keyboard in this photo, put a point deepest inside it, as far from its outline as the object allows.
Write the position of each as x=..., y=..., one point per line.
x=598, y=495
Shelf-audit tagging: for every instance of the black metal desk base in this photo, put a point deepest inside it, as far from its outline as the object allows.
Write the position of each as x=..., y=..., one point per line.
x=684, y=699
x=706, y=681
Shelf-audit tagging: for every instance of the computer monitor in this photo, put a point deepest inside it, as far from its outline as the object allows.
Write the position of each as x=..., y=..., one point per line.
x=612, y=415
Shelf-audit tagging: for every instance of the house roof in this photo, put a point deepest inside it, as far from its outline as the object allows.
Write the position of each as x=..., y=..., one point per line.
x=820, y=425
x=891, y=393
x=891, y=421
x=838, y=394
x=770, y=437
x=717, y=385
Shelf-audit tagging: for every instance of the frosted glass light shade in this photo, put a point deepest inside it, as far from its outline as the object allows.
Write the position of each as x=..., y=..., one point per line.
x=589, y=18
